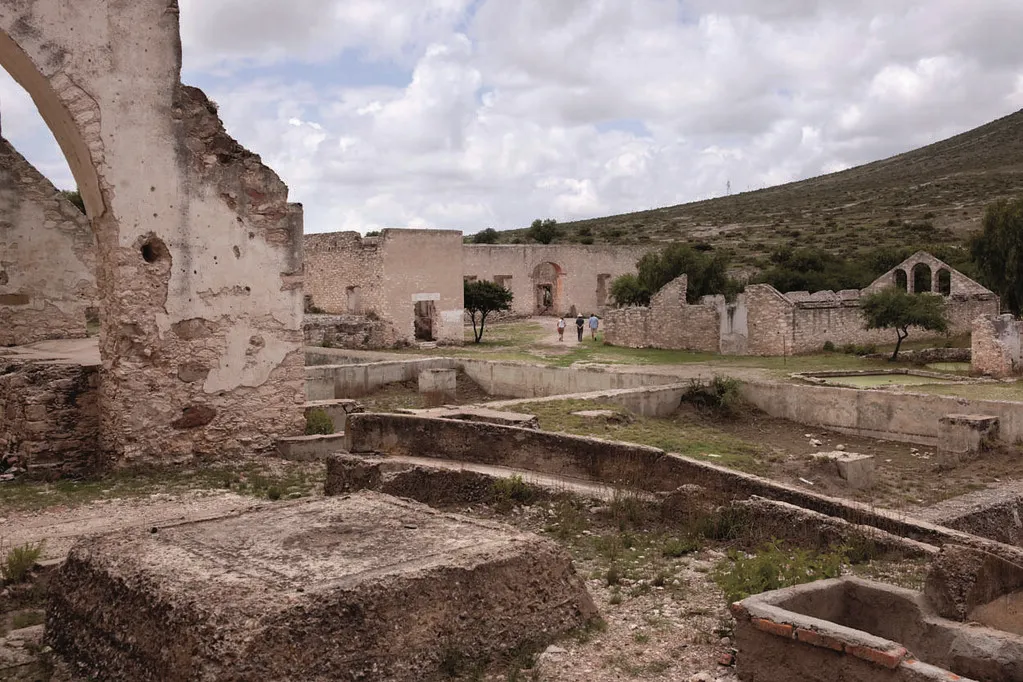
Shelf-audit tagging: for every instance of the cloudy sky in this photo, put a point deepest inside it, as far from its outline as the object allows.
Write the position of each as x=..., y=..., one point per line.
x=468, y=114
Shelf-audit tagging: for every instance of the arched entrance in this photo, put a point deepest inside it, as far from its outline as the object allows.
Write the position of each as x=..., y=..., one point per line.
x=198, y=251
x=547, y=282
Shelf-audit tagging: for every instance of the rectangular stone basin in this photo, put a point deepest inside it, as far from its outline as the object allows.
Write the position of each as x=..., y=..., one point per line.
x=359, y=587
x=858, y=631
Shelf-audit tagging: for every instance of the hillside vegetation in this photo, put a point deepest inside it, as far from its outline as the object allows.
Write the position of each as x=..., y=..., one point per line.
x=932, y=197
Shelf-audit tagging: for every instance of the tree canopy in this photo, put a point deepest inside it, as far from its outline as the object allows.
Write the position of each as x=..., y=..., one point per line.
x=481, y=299
x=487, y=236
x=894, y=308
x=75, y=197
x=543, y=231
x=998, y=252
x=707, y=274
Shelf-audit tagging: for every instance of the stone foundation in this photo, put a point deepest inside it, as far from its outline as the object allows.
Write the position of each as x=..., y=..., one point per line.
x=365, y=587
x=961, y=437
x=439, y=385
x=995, y=346
x=49, y=417
x=347, y=331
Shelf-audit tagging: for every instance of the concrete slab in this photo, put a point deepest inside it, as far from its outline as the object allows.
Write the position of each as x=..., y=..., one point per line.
x=481, y=414
x=961, y=437
x=855, y=469
x=310, y=448
x=360, y=587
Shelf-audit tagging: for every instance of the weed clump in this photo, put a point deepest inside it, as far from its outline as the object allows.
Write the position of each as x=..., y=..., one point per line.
x=773, y=567
x=720, y=397
x=512, y=491
x=19, y=561
x=318, y=422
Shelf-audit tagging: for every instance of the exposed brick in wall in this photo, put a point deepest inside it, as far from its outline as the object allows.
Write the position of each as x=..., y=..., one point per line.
x=995, y=346
x=387, y=275
x=669, y=322
x=47, y=257
x=49, y=416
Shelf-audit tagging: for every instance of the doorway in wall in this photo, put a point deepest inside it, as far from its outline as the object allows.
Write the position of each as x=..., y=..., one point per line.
x=602, y=287
x=425, y=322
x=353, y=303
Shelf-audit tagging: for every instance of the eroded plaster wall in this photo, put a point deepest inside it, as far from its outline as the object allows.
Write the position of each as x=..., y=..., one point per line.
x=996, y=346
x=199, y=253
x=47, y=257
x=580, y=269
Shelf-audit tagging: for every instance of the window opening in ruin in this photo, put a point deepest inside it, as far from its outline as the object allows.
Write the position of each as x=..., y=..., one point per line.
x=921, y=278
x=901, y=281
x=426, y=313
x=602, y=281
x=544, y=299
x=944, y=282
x=503, y=281
x=353, y=300
x=469, y=279
x=546, y=280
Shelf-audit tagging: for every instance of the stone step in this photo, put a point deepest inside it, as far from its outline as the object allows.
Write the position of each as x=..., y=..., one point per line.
x=310, y=448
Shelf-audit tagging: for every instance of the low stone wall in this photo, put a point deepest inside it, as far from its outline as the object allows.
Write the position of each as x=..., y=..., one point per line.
x=347, y=331
x=996, y=346
x=653, y=401
x=888, y=415
x=613, y=463
x=669, y=322
x=49, y=417
x=524, y=380
x=327, y=382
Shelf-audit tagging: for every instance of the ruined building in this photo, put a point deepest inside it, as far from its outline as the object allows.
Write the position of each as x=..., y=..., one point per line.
x=47, y=258
x=764, y=321
x=198, y=266
x=408, y=283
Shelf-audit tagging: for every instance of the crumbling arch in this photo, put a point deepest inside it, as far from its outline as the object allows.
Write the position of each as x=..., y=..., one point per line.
x=547, y=278
x=921, y=278
x=59, y=119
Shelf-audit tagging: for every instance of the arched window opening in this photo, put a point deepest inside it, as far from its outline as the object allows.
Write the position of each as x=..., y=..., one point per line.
x=944, y=282
x=901, y=280
x=921, y=278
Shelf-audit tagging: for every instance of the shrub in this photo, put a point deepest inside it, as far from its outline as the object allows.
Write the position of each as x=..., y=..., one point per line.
x=721, y=396
x=19, y=561
x=318, y=422
x=829, y=347
x=774, y=567
x=676, y=547
x=273, y=493
x=586, y=240
x=513, y=490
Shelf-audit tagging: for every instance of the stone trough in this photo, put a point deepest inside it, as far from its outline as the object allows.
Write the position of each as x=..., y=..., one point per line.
x=360, y=587
x=858, y=631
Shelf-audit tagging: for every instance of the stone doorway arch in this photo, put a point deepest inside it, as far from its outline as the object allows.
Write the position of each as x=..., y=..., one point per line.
x=198, y=252
x=547, y=278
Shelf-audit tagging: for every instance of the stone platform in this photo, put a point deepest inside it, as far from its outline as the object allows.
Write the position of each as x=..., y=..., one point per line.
x=361, y=587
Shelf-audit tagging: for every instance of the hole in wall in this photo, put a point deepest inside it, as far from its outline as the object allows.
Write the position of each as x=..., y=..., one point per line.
x=153, y=250
x=3, y=277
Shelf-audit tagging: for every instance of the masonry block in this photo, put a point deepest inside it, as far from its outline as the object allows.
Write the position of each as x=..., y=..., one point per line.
x=961, y=436
x=855, y=469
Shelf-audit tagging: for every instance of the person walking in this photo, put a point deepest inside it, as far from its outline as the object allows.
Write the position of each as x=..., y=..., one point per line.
x=594, y=323
x=561, y=328
x=579, y=324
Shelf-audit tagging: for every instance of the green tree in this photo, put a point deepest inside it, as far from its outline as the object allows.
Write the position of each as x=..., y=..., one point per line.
x=893, y=308
x=487, y=236
x=998, y=252
x=543, y=231
x=75, y=197
x=626, y=290
x=707, y=274
x=483, y=298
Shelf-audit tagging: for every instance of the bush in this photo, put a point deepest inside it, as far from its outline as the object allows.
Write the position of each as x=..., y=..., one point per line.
x=774, y=567
x=586, y=240
x=318, y=422
x=487, y=236
x=676, y=547
x=721, y=396
x=829, y=347
x=19, y=561
x=513, y=490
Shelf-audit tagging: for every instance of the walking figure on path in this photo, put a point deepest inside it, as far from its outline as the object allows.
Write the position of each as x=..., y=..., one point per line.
x=579, y=323
x=561, y=328
x=594, y=322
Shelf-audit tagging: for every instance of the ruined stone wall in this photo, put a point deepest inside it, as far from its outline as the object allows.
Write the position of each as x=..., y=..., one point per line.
x=47, y=257
x=335, y=262
x=49, y=417
x=424, y=265
x=580, y=268
x=996, y=346
x=669, y=322
x=199, y=252
x=347, y=331
x=769, y=320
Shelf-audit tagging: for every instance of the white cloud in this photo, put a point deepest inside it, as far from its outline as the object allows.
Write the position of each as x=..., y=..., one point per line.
x=463, y=114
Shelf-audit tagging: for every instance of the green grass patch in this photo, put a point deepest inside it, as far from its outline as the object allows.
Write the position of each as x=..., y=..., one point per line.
x=18, y=561
x=773, y=567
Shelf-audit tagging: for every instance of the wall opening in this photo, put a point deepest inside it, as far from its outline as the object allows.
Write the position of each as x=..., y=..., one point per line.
x=921, y=278
x=503, y=281
x=944, y=282
x=547, y=279
x=602, y=289
x=469, y=279
x=353, y=300
x=901, y=281
x=425, y=321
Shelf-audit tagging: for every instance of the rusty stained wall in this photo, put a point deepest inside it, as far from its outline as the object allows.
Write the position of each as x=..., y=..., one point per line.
x=199, y=253
x=580, y=269
x=47, y=257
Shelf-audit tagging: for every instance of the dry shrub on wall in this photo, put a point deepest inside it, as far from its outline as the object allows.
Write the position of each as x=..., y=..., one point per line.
x=720, y=397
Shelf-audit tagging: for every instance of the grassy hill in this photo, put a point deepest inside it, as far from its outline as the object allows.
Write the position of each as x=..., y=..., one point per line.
x=928, y=197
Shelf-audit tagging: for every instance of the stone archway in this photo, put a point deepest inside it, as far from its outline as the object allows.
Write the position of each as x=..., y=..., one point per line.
x=547, y=280
x=922, y=279
x=198, y=251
